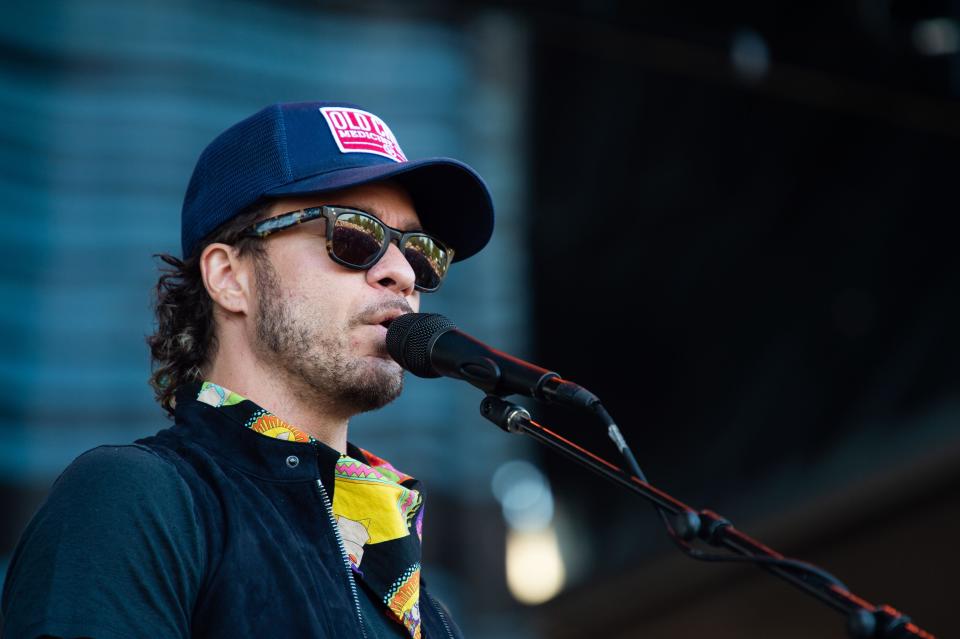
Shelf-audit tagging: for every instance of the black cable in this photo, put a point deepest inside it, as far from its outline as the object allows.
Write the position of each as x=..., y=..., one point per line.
x=801, y=567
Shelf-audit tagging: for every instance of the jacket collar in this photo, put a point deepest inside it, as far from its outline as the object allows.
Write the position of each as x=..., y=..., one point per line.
x=223, y=432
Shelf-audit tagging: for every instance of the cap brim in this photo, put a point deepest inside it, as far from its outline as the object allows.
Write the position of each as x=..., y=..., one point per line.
x=452, y=201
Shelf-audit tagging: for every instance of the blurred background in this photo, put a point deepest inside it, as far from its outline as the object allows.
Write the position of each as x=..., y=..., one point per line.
x=731, y=221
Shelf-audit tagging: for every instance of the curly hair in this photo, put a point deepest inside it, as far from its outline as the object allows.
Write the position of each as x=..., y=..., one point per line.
x=185, y=338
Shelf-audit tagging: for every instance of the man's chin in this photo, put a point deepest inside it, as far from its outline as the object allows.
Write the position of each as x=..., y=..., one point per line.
x=379, y=385
x=371, y=397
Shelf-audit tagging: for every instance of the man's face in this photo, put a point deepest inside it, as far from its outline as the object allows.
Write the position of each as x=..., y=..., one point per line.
x=318, y=323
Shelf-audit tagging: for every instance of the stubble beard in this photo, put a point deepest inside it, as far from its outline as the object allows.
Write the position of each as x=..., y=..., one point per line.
x=312, y=354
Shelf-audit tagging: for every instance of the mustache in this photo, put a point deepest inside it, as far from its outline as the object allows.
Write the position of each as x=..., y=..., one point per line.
x=371, y=313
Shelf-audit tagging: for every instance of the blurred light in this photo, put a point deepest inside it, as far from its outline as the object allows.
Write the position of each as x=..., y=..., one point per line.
x=524, y=495
x=749, y=55
x=535, y=568
x=535, y=571
x=937, y=36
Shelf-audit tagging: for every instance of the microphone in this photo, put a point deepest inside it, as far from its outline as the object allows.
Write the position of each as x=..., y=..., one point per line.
x=429, y=345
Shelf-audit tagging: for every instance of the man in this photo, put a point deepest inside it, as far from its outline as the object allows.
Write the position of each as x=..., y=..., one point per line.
x=305, y=231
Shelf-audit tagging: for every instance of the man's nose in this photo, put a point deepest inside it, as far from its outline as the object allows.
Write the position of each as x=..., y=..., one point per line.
x=393, y=271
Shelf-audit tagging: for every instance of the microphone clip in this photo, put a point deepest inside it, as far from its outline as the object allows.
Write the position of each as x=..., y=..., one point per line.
x=508, y=416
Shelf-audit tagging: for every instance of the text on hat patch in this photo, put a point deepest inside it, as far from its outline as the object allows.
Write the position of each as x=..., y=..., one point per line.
x=358, y=131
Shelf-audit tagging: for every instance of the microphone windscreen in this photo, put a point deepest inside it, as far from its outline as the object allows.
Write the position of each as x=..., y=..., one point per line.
x=409, y=338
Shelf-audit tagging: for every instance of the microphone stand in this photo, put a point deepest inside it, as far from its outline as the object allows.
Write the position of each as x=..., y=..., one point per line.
x=864, y=620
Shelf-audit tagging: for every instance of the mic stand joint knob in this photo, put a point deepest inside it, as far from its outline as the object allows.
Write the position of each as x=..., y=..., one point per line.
x=507, y=415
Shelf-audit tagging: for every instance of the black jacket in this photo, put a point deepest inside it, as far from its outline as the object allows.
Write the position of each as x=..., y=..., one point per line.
x=206, y=529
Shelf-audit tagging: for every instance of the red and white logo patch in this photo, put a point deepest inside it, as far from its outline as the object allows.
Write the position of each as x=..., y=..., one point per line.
x=358, y=131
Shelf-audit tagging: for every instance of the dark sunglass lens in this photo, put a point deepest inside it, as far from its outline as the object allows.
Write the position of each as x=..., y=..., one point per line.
x=357, y=238
x=428, y=259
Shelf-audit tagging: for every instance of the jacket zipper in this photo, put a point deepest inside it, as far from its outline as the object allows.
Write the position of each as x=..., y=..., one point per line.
x=443, y=618
x=346, y=558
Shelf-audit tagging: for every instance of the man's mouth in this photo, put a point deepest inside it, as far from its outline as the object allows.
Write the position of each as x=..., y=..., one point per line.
x=385, y=318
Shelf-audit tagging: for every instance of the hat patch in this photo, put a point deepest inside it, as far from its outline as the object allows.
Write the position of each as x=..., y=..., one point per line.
x=359, y=131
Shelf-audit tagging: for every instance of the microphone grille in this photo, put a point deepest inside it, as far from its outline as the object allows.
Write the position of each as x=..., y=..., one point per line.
x=409, y=337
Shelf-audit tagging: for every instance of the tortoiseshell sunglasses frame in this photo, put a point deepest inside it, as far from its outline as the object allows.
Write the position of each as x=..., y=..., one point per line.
x=331, y=212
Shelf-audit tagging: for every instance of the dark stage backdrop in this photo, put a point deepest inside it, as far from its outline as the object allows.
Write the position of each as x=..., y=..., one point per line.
x=743, y=239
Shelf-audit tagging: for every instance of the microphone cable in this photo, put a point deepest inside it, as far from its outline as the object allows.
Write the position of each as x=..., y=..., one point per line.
x=800, y=568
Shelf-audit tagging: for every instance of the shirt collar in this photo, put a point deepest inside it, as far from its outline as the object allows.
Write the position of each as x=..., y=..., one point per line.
x=223, y=432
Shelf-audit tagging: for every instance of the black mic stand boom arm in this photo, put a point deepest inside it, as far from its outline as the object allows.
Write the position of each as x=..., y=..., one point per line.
x=864, y=620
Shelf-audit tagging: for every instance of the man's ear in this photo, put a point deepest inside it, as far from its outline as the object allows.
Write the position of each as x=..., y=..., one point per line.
x=226, y=277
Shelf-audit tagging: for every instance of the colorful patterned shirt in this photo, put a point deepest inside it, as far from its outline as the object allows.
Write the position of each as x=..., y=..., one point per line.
x=377, y=508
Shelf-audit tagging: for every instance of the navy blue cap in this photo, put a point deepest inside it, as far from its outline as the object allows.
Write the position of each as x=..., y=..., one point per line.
x=309, y=148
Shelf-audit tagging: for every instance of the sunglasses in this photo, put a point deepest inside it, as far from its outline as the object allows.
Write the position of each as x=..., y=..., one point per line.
x=356, y=239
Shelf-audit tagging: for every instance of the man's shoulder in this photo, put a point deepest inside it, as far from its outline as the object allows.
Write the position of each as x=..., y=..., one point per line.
x=114, y=495
x=136, y=462
x=120, y=457
x=117, y=542
x=129, y=474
